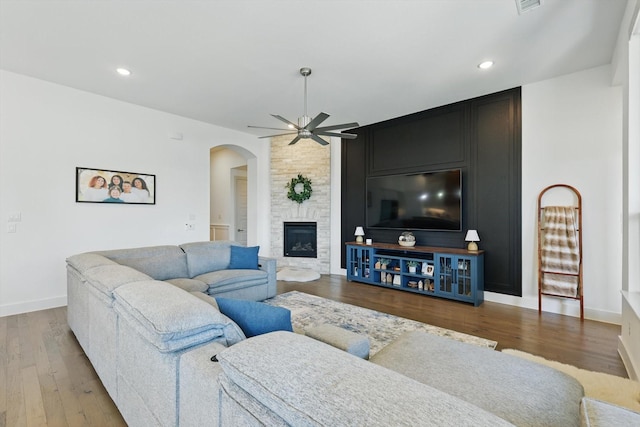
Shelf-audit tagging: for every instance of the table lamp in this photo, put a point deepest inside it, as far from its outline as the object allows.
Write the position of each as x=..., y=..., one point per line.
x=359, y=233
x=472, y=237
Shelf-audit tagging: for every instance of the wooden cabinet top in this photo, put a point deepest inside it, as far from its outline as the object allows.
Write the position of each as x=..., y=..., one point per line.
x=422, y=249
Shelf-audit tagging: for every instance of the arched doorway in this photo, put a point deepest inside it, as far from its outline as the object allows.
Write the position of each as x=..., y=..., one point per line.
x=230, y=194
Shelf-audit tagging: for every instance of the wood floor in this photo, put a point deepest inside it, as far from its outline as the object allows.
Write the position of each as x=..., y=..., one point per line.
x=45, y=379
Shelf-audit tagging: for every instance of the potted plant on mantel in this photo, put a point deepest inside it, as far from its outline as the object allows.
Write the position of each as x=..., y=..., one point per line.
x=412, y=266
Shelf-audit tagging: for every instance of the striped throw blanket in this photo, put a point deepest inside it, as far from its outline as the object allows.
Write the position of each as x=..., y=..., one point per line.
x=560, y=251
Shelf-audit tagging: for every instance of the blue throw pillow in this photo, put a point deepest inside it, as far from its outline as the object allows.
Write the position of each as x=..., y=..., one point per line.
x=255, y=318
x=244, y=258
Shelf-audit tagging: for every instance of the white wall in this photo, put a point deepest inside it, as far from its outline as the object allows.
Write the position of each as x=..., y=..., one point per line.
x=46, y=130
x=572, y=134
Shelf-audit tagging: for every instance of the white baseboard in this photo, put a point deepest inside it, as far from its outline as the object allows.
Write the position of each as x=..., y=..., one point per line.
x=564, y=306
x=34, y=305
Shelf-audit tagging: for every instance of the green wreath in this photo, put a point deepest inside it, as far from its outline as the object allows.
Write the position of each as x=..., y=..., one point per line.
x=306, y=190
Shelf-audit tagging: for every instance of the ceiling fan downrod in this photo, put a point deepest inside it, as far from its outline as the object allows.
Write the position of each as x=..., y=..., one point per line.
x=305, y=119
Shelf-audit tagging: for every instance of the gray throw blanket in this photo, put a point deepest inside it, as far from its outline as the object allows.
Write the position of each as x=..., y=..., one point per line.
x=560, y=252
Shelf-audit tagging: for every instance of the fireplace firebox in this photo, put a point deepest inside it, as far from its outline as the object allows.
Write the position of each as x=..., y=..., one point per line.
x=300, y=239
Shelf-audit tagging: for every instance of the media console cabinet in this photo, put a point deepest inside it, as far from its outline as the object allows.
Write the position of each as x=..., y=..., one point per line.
x=452, y=273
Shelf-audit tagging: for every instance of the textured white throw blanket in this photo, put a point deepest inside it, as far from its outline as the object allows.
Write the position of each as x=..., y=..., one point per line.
x=560, y=251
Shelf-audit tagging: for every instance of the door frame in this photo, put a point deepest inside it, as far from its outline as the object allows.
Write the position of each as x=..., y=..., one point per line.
x=237, y=172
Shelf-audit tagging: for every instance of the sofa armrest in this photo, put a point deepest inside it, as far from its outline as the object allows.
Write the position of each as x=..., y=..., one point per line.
x=168, y=317
x=269, y=265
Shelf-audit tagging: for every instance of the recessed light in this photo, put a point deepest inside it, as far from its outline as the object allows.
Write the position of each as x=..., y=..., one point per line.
x=123, y=71
x=486, y=64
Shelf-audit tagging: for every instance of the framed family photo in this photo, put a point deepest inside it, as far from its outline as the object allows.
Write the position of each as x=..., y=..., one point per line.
x=107, y=186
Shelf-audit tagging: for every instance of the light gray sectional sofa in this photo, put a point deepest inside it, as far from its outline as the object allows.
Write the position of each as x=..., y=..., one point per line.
x=140, y=298
x=151, y=340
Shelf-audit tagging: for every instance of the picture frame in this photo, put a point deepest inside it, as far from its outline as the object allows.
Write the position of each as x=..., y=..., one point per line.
x=115, y=187
x=429, y=270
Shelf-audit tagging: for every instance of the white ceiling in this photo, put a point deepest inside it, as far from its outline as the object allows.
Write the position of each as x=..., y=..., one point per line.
x=231, y=63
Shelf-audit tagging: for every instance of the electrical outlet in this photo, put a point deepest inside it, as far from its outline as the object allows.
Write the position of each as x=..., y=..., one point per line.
x=189, y=227
x=12, y=228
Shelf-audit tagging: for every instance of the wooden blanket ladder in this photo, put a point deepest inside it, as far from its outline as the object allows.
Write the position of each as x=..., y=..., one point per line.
x=542, y=234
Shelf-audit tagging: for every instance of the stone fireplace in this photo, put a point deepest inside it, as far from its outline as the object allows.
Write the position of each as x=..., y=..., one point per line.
x=300, y=239
x=313, y=161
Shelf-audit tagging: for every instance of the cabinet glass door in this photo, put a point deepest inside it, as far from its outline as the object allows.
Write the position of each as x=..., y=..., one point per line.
x=464, y=273
x=365, y=265
x=352, y=257
x=445, y=275
x=359, y=263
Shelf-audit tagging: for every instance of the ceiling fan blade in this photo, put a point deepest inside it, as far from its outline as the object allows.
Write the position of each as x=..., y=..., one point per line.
x=342, y=126
x=279, y=134
x=319, y=140
x=337, y=135
x=263, y=127
x=296, y=139
x=316, y=121
x=282, y=119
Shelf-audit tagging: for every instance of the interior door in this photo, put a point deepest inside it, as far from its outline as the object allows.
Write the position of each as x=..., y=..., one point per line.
x=241, y=210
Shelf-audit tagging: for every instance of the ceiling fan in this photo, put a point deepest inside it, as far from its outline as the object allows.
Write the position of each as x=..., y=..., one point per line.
x=308, y=128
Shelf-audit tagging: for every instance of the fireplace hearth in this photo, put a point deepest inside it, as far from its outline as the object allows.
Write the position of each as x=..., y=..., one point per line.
x=300, y=239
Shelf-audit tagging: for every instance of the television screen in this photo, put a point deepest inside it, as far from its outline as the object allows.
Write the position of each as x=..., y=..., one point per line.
x=421, y=201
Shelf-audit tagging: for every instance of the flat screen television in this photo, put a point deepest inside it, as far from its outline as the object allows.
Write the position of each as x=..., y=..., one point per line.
x=417, y=201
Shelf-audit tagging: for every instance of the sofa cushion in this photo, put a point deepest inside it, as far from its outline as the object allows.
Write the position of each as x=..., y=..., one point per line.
x=244, y=258
x=160, y=267
x=256, y=318
x=522, y=392
x=189, y=285
x=597, y=413
x=232, y=332
x=106, y=278
x=306, y=382
x=203, y=257
x=159, y=262
x=226, y=277
x=168, y=313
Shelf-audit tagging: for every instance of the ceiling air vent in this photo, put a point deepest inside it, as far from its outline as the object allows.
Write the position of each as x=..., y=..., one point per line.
x=527, y=5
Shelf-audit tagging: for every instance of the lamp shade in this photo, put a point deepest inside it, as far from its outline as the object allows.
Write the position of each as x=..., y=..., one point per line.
x=472, y=237
x=359, y=233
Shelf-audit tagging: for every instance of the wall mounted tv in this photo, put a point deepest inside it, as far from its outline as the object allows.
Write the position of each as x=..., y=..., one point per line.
x=417, y=201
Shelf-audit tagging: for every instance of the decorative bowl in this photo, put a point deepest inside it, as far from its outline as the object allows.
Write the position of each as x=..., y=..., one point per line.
x=405, y=243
